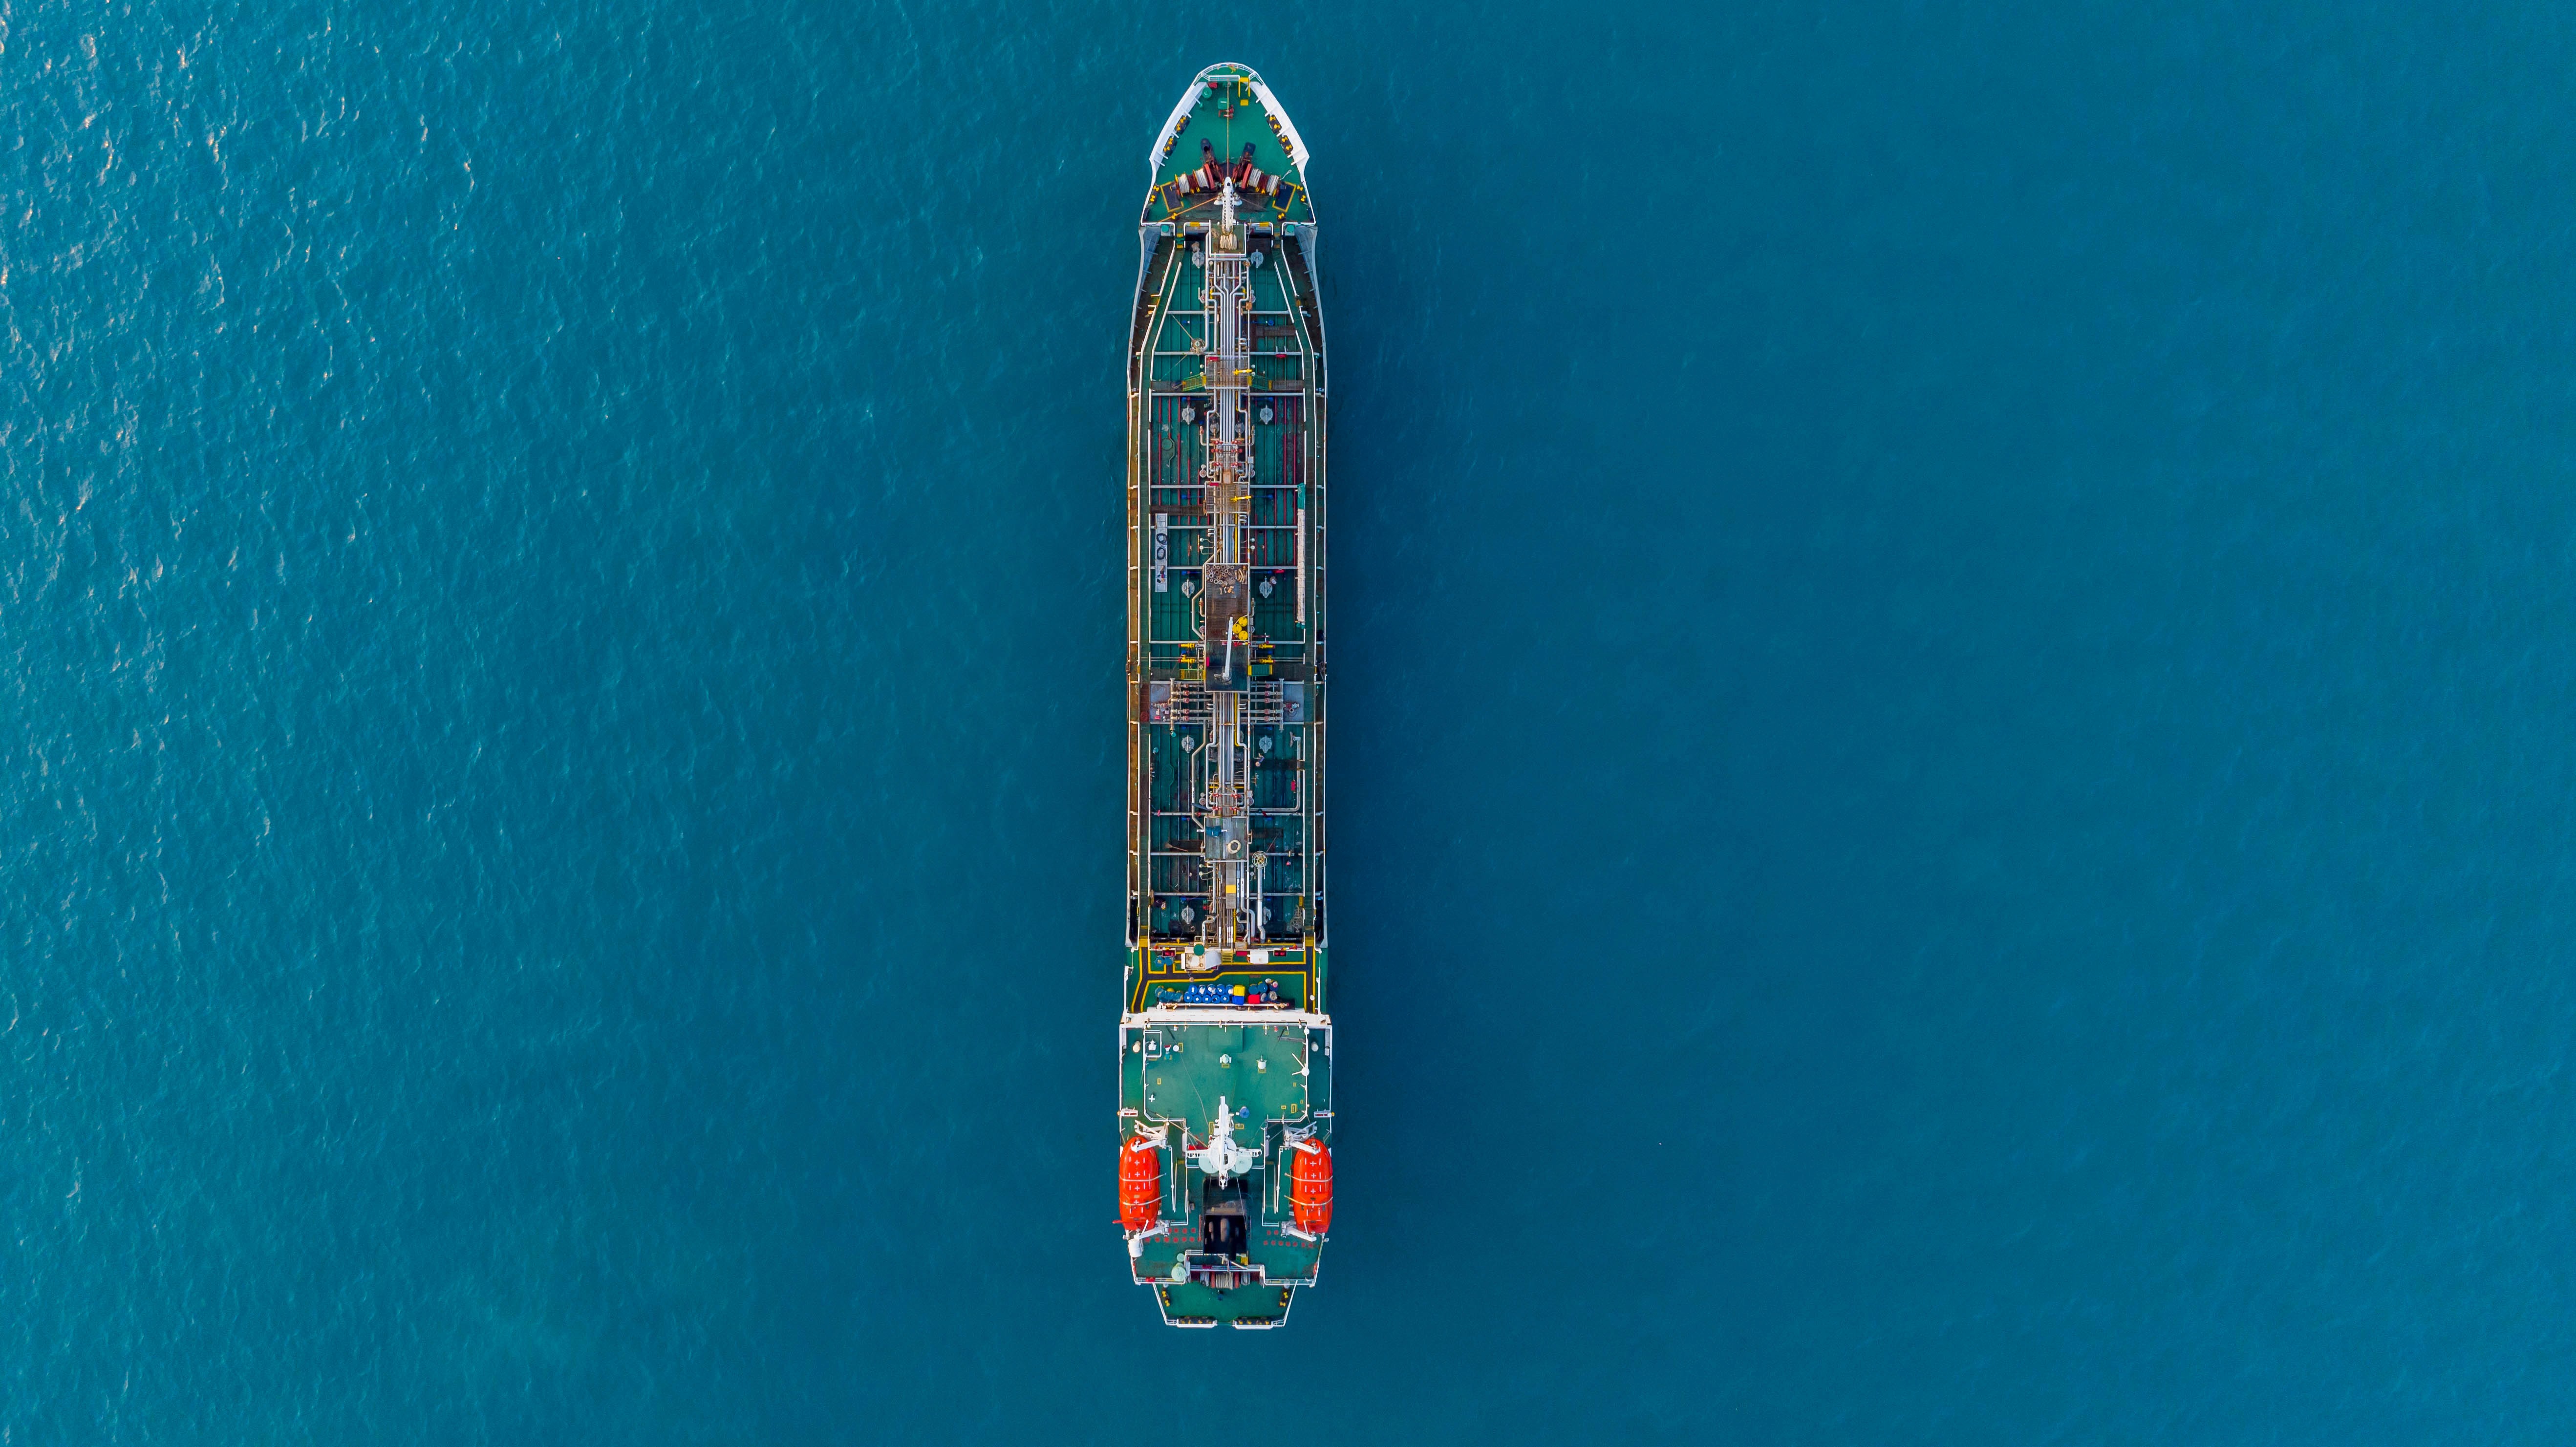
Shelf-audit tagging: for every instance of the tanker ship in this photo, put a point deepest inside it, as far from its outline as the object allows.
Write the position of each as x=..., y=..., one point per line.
x=1225, y=1039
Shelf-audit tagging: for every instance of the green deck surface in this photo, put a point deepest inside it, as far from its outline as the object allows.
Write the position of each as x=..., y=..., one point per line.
x=1158, y=976
x=1284, y=420
x=1275, y=1076
x=1182, y=1071
x=1227, y=116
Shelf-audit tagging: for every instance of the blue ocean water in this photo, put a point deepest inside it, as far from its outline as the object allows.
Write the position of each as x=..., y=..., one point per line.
x=1952, y=796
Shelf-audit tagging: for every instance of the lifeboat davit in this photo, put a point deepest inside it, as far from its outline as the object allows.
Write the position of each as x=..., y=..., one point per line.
x=1140, y=1183
x=1310, y=1187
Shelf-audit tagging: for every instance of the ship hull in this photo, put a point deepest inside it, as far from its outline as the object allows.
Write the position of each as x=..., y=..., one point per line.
x=1225, y=1032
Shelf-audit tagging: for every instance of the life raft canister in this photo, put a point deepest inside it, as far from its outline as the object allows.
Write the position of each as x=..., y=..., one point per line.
x=1310, y=1187
x=1140, y=1183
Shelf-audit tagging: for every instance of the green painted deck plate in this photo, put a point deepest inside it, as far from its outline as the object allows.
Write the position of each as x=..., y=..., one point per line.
x=1178, y=1072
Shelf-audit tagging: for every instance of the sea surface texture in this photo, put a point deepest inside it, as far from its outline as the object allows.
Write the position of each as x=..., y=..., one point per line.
x=1954, y=818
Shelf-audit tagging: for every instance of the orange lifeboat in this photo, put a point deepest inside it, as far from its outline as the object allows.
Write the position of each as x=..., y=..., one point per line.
x=1310, y=1187
x=1140, y=1183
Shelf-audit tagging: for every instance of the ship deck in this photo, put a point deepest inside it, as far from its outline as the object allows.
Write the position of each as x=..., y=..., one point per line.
x=1275, y=1075
x=1224, y=118
x=1226, y=984
x=1281, y=549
